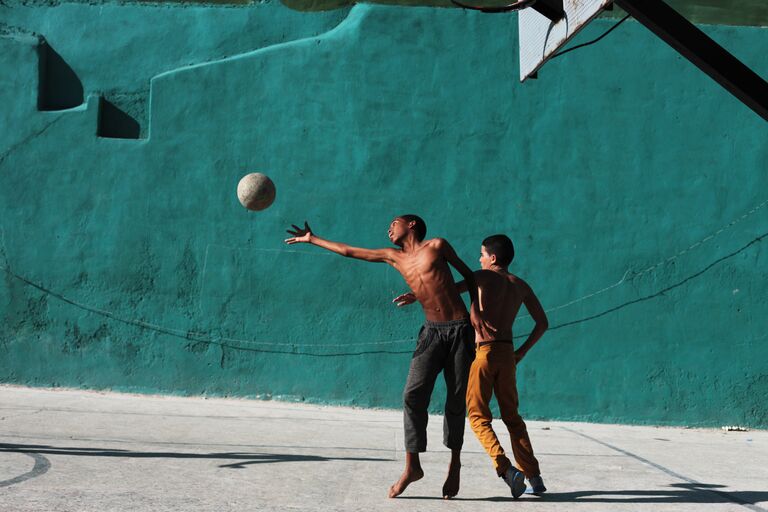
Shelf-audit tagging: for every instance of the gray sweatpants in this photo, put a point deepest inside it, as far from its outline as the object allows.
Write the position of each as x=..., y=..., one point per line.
x=442, y=346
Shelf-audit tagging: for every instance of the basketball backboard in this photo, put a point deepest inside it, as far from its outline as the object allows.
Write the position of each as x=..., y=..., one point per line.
x=545, y=26
x=548, y=25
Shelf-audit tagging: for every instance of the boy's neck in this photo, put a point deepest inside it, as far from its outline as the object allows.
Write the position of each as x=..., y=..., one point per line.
x=411, y=243
x=499, y=269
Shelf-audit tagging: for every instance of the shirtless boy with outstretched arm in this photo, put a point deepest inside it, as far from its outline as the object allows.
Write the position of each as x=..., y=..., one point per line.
x=446, y=341
x=493, y=370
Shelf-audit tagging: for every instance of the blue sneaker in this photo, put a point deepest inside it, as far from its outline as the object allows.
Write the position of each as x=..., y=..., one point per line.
x=515, y=479
x=537, y=485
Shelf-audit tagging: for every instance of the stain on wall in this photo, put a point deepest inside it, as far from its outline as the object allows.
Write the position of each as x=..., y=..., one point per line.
x=633, y=188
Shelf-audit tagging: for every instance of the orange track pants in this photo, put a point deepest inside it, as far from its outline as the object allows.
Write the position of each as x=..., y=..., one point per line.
x=493, y=371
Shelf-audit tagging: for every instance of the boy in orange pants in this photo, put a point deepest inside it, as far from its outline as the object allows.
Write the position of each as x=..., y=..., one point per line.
x=493, y=371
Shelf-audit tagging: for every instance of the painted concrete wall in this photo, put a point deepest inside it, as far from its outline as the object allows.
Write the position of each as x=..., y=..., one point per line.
x=633, y=186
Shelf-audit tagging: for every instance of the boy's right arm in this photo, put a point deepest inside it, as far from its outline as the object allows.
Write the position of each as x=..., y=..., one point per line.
x=534, y=307
x=305, y=235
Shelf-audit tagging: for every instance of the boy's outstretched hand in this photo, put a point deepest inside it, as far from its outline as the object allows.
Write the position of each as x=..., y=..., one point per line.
x=300, y=235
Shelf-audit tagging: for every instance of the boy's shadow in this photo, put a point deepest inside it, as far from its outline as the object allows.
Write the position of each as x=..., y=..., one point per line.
x=679, y=493
x=241, y=459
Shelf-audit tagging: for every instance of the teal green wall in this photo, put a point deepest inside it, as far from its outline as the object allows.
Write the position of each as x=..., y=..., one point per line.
x=615, y=173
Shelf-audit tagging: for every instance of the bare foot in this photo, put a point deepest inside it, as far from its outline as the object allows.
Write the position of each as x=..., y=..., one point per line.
x=408, y=477
x=451, y=485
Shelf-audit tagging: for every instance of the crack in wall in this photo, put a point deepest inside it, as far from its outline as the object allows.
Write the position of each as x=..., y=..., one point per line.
x=660, y=292
x=234, y=344
x=3, y=250
x=27, y=139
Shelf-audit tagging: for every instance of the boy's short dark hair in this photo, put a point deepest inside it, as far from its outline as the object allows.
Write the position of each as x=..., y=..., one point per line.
x=420, y=227
x=501, y=247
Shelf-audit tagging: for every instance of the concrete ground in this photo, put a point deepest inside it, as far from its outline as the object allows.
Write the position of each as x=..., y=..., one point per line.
x=63, y=450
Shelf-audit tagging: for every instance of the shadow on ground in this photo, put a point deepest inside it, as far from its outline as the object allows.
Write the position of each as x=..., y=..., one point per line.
x=244, y=458
x=674, y=493
x=677, y=493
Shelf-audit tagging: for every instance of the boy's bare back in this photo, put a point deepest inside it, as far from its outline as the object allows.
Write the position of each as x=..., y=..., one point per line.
x=501, y=294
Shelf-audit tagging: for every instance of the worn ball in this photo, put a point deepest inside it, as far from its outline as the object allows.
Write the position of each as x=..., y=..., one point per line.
x=256, y=191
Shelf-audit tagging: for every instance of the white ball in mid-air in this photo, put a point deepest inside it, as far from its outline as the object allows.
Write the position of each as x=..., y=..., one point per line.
x=256, y=191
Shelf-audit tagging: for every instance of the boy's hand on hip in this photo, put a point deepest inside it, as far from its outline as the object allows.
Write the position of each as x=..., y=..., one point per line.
x=483, y=328
x=404, y=299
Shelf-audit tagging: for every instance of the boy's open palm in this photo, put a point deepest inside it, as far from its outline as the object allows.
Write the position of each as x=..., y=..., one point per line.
x=300, y=235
